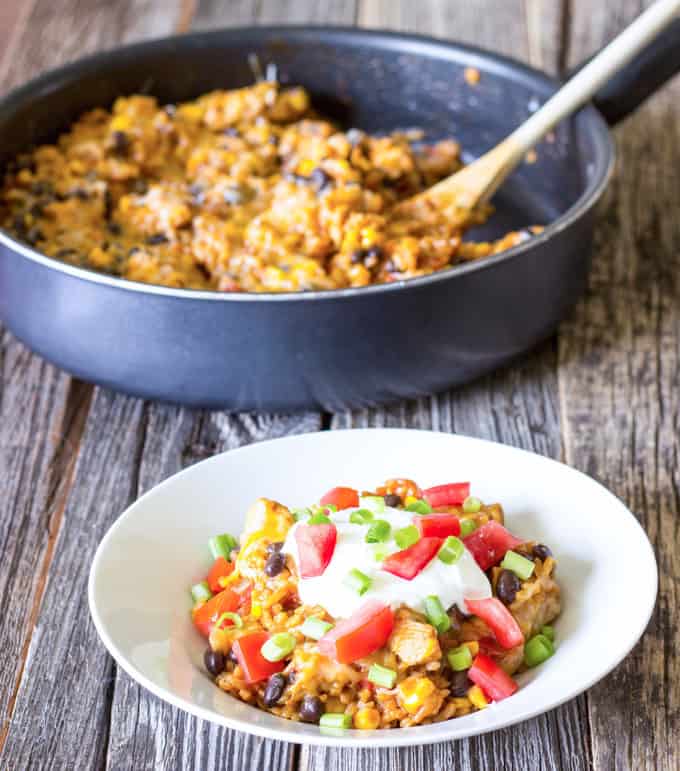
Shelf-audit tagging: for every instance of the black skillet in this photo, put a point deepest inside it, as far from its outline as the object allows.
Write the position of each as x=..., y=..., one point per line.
x=344, y=348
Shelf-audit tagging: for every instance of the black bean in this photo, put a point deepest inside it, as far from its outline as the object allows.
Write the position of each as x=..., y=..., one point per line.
x=311, y=709
x=375, y=251
x=114, y=228
x=108, y=204
x=42, y=188
x=34, y=235
x=157, y=238
x=274, y=690
x=231, y=656
x=121, y=142
x=275, y=563
x=541, y=552
x=320, y=180
x=392, y=500
x=214, y=662
x=140, y=187
x=507, y=587
x=459, y=683
x=358, y=255
x=274, y=546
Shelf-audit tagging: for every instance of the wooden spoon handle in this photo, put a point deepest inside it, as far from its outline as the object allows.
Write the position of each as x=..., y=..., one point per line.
x=595, y=74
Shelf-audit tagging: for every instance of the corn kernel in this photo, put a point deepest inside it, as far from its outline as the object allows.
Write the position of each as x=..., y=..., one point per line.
x=414, y=691
x=367, y=718
x=306, y=167
x=255, y=610
x=477, y=697
x=120, y=123
x=473, y=645
x=409, y=500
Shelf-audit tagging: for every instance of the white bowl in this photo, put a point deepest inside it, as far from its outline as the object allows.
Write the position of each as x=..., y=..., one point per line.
x=139, y=581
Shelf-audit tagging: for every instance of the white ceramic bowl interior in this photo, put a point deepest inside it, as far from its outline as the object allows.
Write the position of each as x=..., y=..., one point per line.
x=140, y=576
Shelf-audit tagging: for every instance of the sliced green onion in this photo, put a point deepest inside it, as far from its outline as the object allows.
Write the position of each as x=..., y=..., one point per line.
x=420, y=507
x=467, y=526
x=374, y=503
x=406, y=536
x=278, y=646
x=319, y=519
x=361, y=517
x=222, y=545
x=451, y=551
x=436, y=615
x=299, y=514
x=380, y=551
x=235, y=619
x=471, y=505
x=460, y=658
x=201, y=592
x=315, y=627
x=378, y=532
x=335, y=720
x=537, y=650
x=519, y=565
x=549, y=632
x=382, y=676
x=330, y=507
x=357, y=581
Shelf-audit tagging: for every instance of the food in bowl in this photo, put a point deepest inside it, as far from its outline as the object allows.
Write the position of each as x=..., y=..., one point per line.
x=242, y=190
x=386, y=609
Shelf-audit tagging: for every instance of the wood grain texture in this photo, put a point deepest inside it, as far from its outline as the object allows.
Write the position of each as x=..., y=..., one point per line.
x=67, y=673
x=620, y=378
x=233, y=13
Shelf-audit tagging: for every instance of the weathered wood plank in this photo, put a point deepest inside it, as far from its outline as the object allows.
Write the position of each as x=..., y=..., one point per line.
x=518, y=406
x=619, y=381
x=41, y=415
x=66, y=673
x=233, y=13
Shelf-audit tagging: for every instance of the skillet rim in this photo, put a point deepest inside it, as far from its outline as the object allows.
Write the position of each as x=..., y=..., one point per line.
x=423, y=44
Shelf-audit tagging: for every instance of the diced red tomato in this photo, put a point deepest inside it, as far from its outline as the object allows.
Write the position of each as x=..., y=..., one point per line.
x=489, y=543
x=499, y=620
x=447, y=495
x=342, y=497
x=255, y=666
x=491, y=678
x=221, y=569
x=437, y=525
x=407, y=563
x=205, y=615
x=364, y=632
x=490, y=647
x=316, y=544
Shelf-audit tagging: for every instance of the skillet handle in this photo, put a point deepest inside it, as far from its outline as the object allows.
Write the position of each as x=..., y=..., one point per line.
x=641, y=77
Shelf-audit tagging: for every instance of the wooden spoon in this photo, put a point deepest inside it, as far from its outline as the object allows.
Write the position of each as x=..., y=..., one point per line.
x=477, y=182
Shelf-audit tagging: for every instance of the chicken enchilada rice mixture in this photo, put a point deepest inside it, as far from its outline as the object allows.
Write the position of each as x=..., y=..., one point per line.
x=380, y=609
x=243, y=190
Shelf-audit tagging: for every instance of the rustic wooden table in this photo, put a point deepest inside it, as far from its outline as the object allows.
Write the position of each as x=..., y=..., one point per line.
x=602, y=396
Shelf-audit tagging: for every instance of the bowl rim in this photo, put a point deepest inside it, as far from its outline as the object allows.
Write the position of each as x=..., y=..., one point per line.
x=353, y=738
x=422, y=45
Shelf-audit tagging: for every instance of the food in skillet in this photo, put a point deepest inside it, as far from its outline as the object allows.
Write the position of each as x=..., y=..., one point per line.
x=243, y=190
x=389, y=609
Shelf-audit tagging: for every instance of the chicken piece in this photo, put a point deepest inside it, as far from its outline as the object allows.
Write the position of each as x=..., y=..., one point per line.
x=413, y=641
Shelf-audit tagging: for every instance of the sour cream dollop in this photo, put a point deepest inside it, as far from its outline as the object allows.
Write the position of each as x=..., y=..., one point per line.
x=451, y=583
